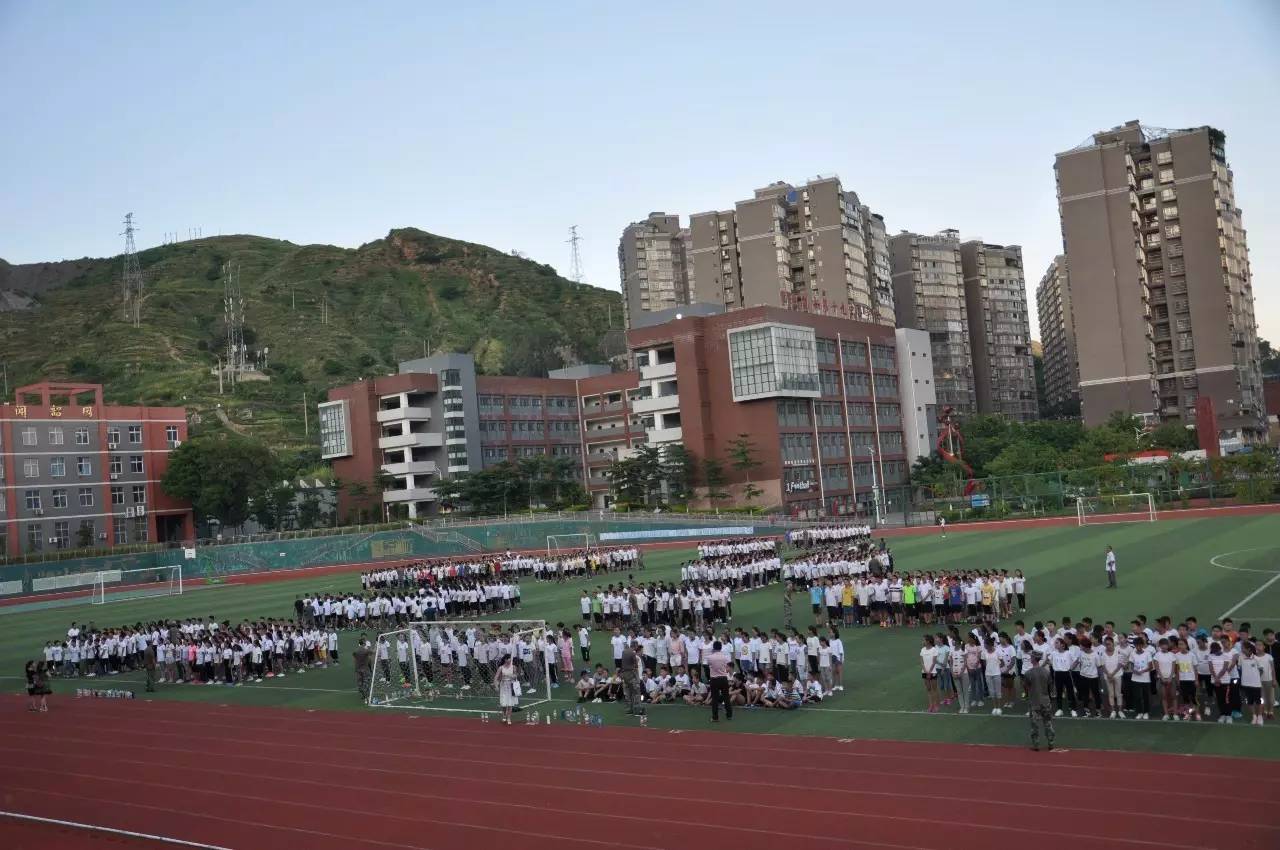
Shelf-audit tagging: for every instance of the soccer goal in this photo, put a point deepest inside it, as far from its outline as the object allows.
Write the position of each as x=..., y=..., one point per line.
x=558, y=544
x=1119, y=507
x=423, y=667
x=120, y=585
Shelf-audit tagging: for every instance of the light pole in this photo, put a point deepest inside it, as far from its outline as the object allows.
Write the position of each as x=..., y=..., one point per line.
x=875, y=487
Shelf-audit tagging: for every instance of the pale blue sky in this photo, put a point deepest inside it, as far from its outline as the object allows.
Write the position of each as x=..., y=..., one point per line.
x=506, y=123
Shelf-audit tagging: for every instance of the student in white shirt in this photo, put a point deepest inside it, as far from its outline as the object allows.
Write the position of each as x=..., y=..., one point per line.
x=929, y=672
x=1140, y=664
x=1251, y=682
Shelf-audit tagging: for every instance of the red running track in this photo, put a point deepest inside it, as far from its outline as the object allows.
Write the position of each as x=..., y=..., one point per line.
x=263, y=778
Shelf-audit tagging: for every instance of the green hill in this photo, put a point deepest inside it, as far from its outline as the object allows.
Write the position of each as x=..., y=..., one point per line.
x=385, y=300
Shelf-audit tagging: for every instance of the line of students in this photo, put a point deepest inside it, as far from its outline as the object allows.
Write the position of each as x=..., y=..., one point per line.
x=1182, y=672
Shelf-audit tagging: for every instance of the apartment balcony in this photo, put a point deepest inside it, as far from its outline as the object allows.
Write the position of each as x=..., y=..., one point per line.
x=665, y=435
x=410, y=494
x=422, y=439
x=397, y=414
x=412, y=467
x=592, y=411
x=653, y=404
x=661, y=370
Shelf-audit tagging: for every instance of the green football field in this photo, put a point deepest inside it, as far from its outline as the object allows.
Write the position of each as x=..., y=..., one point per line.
x=1202, y=567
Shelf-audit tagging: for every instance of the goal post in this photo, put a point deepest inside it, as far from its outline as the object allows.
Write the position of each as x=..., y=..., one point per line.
x=560, y=543
x=121, y=585
x=1114, y=508
x=450, y=665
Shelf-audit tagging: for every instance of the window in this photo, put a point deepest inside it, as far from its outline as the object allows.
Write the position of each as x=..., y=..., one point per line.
x=858, y=383
x=859, y=413
x=32, y=499
x=826, y=349
x=139, y=493
x=113, y=436
x=61, y=533
x=119, y=531
x=835, y=476
x=35, y=537
x=84, y=467
x=117, y=495
x=451, y=377
x=855, y=353
x=832, y=445
x=31, y=468
x=135, y=434
x=82, y=436
x=28, y=436
x=116, y=465
x=59, y=498
x=1164, y=157
x=86, y=497
x=171, y=435
x=829, y=414
x=135, y=463
x=58, y=467
x=793, y=414
x=334, y=441
x=1166, y=175
x=55, y=436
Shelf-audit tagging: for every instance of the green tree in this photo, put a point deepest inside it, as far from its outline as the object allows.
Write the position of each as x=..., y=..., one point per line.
x=218, y=474
x=678, y=469
x=310, y=512
x=1174, y=436
x=627, y=480
x=714, y=479
x=1024, y=458
x=742, y=456
x=84, y=535
x=272, y=505
x=650, y=469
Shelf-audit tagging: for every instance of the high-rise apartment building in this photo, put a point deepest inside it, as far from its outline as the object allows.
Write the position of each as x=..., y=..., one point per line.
x=1004, y=375
x=1058, y=336
x=1160, y=280
x=815, y=248
x=929, y=295
x=651, y=262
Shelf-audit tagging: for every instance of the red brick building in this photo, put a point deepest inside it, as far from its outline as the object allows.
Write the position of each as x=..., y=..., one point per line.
x=78, y=473
x=836, y=410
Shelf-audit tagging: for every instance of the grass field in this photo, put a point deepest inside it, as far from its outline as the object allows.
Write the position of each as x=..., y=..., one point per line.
x=1202, y=567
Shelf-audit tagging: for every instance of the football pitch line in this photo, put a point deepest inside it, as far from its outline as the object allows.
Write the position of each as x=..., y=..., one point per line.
x=1275, y=576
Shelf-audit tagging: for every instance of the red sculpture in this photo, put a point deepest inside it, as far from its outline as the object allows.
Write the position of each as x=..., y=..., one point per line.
x=951, y=447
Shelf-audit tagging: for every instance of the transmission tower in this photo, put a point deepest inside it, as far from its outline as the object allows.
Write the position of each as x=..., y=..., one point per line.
x=575, y=255
x=233, y=315
x=131, y=282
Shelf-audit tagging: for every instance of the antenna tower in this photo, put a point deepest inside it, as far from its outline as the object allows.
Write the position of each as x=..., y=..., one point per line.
x=575, y=255
x=131, y=282
x=233, y=315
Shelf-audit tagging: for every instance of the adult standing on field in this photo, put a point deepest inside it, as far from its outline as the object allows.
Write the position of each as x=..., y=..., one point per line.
x=1040, y=710
x=363, y=659
x=1111, y=567
x=787, y=606
x=149, y=664
x=629, y=669
x=718, y=667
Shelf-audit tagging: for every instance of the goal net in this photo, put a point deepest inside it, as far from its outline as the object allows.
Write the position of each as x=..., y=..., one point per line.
x=451, y=666
x=120, y=585
x=558, y=544
x=1120, y=507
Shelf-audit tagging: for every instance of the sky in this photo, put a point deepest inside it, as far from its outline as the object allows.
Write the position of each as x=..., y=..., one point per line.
x=506, y=123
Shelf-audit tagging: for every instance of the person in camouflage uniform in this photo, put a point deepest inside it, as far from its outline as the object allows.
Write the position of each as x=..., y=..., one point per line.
x=786, y=606
x=1040, y=710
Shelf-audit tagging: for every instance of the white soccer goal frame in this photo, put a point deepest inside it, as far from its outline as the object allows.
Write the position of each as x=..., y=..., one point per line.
x=1083, y=516
x=485, y=706
x=554, y=548
x=106, y=582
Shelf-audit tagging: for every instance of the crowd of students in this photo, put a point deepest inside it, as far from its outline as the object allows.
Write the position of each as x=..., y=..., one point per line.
x=576, y=563
x=194, y=651
x=769, y=668
x=826, y=535
x=1179, y=671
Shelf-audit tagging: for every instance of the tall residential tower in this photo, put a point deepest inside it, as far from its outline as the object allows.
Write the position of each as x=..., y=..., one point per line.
x=1004, y=375
x=1160, y=281
x=1058, y=335
x=651, y=262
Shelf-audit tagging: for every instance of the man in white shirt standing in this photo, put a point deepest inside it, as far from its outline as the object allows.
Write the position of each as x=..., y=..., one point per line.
x=1111, y=567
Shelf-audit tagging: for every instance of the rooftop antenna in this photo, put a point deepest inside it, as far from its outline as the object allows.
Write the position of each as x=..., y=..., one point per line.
x=575, y=255
x=131, y=281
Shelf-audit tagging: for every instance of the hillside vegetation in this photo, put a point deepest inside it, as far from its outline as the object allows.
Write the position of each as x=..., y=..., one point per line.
x=385, y=300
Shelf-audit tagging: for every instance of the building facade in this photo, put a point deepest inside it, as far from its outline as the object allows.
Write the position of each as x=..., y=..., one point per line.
x=1160, y=278
x=1058, y=336
x=814, y=248
x=929, y=295
x=837, y=410
x=652, y=264
x=79, y=474
x=995, y=291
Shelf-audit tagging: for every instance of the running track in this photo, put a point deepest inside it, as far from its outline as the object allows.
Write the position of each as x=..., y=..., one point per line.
x=264, y=778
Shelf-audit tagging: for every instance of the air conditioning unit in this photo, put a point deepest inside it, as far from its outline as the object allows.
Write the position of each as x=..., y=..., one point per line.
x=141, y=510
x=102, y=535
x=177, y=443
x=38, y=512
x=53, y=540
x=111, y=445
x=115, y=476
x=129, y=512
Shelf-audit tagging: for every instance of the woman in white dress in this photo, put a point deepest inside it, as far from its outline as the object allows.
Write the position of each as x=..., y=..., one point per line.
x=507, y=682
